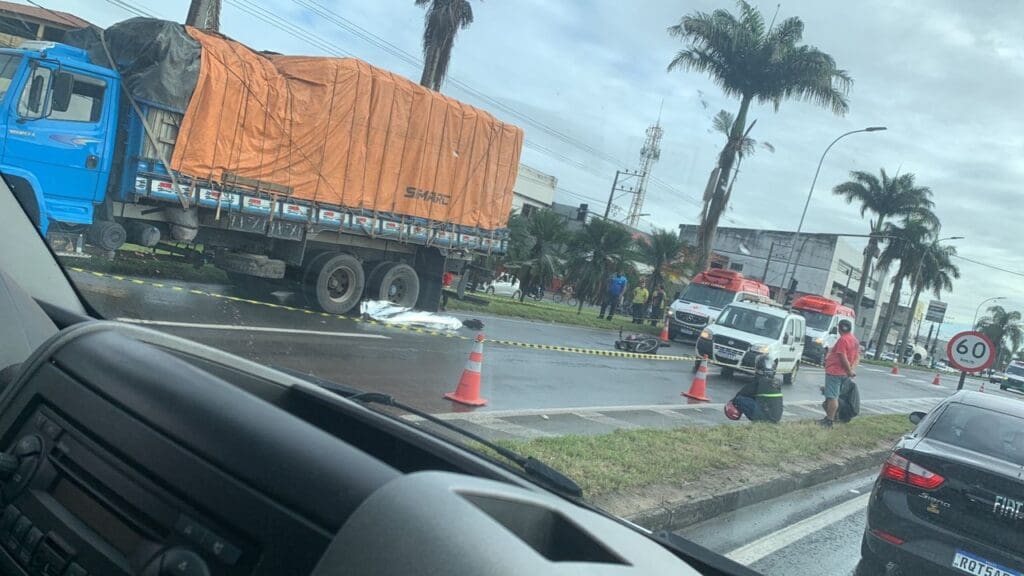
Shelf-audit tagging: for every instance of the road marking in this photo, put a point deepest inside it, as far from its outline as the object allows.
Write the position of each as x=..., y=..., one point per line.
x=758, y=549
x=418, y=330
x=251, y=329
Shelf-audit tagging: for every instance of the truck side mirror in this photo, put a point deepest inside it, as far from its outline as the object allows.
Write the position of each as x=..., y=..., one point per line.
x=834, y=331
x=916, y=417
x=785, y=338
x=63, y=85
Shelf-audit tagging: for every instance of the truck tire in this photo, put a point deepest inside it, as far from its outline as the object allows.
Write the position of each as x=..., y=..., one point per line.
x=789, y=378
x=395, y=283
x=258, y=265
x=106, y=235
x=339, y=282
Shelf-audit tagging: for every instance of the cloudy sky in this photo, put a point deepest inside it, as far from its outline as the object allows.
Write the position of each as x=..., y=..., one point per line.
x=585, y=79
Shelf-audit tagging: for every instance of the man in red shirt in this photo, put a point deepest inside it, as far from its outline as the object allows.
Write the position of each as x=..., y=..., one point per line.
x=839, y=366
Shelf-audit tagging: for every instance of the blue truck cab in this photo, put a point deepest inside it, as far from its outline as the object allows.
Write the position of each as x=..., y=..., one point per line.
x=58, y=126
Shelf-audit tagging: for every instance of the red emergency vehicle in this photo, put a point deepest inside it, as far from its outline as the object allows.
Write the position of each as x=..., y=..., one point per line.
x=822, y=316
x=706, y=295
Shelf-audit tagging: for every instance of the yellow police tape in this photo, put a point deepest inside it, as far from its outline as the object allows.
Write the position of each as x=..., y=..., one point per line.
x=567, y=349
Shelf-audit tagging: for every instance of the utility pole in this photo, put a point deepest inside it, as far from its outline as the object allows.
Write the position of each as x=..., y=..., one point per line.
x=616, y=187
x=204, y=14
x=764, y=276
x=649, y=154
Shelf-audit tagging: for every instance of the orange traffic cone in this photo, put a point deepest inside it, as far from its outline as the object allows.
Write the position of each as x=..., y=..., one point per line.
x=698, y=388
x=468, y=390
x=981, y=387
x=935, y=380
x=664, y=332
x=895, y=369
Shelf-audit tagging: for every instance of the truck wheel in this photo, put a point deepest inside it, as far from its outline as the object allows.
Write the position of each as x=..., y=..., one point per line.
x=373, y=278
x=489, y=291
x=395, y=283
x=258, y=265
x=338, y=284
x=106, y=235
x=788, y=379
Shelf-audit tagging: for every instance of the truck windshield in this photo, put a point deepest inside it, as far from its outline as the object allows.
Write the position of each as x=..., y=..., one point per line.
x=815, y=320
x=751, y=321
x=707, y=295
x=8, y=66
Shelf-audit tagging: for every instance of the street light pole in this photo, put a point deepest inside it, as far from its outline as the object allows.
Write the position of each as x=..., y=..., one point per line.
x=978, y=309
x=810, y=193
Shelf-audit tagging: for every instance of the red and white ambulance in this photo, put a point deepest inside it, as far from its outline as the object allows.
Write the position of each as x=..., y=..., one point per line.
x=822, y=316
x=705, y=297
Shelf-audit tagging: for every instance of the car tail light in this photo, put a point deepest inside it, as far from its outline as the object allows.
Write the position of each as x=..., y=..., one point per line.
x=888, y=537
x=899, y=469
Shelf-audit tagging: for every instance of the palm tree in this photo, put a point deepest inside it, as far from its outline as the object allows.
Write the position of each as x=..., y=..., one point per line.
x=723, y=123
x=885, y=198
x=935, y=272
x=1002, y=328
x=204, y=14
x=539, y=254
x=596, y=251
x=664, y=252
x=442, y=23
x=751, y=61
x=907, y=245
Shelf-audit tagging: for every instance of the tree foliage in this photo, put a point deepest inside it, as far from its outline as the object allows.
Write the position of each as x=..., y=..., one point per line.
x=441, y=24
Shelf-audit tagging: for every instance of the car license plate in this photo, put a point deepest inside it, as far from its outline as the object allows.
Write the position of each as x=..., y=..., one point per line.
x=686, y=330
x=728, y=354
x=971, y=564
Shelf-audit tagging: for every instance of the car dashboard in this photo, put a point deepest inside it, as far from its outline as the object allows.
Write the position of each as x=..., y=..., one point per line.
x=129, y=451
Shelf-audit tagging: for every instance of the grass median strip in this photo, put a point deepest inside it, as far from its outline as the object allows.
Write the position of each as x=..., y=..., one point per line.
x=627, y=459
x=550, y=312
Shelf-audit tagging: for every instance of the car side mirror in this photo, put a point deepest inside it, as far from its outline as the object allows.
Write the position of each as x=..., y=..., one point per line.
x=916, y=417
x=63, y=85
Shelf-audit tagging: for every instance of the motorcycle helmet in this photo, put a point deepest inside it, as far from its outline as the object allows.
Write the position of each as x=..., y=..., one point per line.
x=732, y=412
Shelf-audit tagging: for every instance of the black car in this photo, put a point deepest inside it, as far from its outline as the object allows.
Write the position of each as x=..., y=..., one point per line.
x=950, y=496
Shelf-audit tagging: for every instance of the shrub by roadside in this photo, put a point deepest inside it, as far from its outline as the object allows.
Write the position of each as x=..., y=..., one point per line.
x=550, y=312
x=146, y=265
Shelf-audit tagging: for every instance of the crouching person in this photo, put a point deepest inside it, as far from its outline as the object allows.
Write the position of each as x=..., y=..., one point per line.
x=761, y=399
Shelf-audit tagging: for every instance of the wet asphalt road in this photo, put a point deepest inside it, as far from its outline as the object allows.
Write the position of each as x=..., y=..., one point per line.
x=805, y=533
x=419, y=368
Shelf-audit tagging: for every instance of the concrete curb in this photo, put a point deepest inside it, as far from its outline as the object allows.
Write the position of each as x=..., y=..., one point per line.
x=680, y=514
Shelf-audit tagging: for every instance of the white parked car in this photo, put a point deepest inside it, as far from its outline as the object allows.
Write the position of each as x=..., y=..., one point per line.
x=747, y=329
x=504, y=286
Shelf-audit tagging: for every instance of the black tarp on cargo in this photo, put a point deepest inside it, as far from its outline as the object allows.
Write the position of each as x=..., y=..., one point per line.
x=157, y=59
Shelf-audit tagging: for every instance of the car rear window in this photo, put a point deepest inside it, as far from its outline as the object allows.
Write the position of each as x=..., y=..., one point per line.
x=992, y=433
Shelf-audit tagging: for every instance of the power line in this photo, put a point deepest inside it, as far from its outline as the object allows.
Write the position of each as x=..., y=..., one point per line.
x=986, y=265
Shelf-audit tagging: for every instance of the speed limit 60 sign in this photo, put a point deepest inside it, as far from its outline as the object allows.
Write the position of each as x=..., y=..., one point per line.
x=970, y=351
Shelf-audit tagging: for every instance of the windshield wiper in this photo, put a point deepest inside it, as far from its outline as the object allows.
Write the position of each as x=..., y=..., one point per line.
x=534, y=468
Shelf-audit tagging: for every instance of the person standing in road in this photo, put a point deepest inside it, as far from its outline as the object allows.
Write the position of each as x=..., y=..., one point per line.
x=839, y=366
x=640, y=295
x=613, y=293
x=446, y=282
x=657, y=304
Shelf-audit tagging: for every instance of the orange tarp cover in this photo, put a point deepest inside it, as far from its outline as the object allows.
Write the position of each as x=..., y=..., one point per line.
x=342, y=132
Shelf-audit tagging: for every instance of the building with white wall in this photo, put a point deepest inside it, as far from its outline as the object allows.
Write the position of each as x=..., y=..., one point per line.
x=533, y=190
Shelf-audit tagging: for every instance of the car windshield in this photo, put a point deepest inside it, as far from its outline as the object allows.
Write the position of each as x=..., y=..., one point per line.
x=815, y=320
x=707, y=295
x=751, y=321
x=985, y=431
x=507, y=214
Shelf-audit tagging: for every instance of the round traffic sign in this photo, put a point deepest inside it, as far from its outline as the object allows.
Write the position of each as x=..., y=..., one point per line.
x=970, y=351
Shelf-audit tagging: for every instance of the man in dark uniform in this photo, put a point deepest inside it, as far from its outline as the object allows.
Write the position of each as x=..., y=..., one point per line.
x=761, y=399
